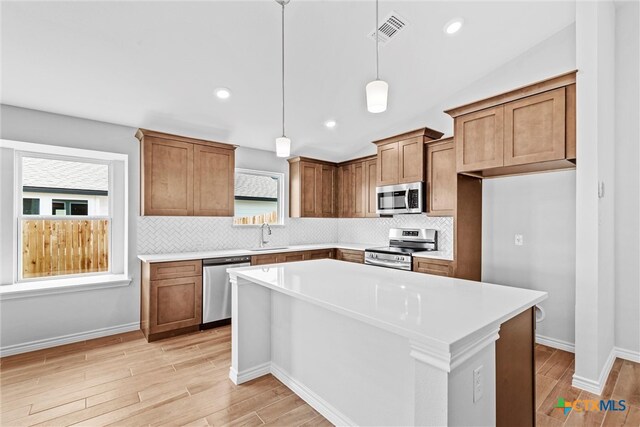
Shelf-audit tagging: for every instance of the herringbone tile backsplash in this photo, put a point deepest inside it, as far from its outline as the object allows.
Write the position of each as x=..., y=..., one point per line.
x=162, y=234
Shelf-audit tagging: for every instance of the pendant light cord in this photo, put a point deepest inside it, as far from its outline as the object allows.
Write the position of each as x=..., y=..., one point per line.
x=283, y=134
x=377, y=44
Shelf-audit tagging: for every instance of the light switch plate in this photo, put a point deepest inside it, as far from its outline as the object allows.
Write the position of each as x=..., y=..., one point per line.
x=519, y=240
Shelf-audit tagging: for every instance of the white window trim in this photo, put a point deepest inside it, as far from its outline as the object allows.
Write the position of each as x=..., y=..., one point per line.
x=62, y=284
x=281, y=196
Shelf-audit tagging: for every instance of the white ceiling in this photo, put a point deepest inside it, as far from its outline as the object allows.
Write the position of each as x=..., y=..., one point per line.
x=156, y=64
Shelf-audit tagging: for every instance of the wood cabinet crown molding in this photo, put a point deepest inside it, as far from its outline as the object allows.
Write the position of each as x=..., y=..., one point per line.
x=141, y=133
x=422, y=132
x=555, y=82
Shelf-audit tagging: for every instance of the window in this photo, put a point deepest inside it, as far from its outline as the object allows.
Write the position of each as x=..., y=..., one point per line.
x=258, y=197
x=76, y=189
x=30, y=206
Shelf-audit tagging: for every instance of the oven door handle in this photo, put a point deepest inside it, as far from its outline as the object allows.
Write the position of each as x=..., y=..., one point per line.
x=388, y=264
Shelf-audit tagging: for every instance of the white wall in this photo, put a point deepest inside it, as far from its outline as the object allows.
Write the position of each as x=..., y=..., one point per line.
x=627, y=177
x=542, y=208
x=43, y=318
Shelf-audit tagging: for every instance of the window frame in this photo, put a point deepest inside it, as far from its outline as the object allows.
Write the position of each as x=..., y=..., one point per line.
x=10, y=286
x=281, y=195
x=19, y=155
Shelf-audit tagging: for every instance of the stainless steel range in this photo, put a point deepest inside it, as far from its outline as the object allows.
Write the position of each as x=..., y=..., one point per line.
x=403, y=242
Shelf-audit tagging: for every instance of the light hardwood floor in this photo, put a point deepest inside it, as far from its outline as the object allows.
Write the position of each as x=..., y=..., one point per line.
x=123, y=380
x=554, y=371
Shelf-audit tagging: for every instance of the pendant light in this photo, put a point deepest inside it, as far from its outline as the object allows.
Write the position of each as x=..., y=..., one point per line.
x=377, y=90
x=283, y=144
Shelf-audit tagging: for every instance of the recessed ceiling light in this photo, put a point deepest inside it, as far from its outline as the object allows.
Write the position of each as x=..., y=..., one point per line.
x=222, y=93
x=453, y=26
x=330, y=124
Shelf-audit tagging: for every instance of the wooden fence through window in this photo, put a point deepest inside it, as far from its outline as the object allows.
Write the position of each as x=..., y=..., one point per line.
x=53, y=247
x=269, y=218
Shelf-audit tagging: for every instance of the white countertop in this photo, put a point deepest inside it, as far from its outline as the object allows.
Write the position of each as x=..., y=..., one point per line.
x=183, y=256
x=432, y=309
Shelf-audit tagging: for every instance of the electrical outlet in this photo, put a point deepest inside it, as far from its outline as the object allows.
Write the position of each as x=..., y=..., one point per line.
x=477, y=384
x=519, y=240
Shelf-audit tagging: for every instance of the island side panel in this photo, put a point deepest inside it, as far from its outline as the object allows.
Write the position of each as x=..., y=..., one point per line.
x=515, y=371
x=250, y=330
x=351, y=372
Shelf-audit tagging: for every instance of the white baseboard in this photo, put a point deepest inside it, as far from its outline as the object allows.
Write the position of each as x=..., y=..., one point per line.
x=316, y=402
x=555, y=343
x=67, y=339
x=592, y=386
x=249, y=374
x=633, y=356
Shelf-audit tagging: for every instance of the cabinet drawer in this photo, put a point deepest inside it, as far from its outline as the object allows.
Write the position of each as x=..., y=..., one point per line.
x=431, y=266
x=290, y=257
x=172, y=270
x=264, y=259
x=350, y=255
x=319, y=254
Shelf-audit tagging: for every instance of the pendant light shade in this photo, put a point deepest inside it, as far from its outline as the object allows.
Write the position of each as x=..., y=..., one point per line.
x=377, y=92
x=283, y=147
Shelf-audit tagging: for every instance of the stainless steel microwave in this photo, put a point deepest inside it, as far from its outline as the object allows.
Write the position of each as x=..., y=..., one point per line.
x=399, y=199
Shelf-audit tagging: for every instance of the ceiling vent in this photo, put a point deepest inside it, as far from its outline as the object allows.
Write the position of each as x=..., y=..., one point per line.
x=393, y=24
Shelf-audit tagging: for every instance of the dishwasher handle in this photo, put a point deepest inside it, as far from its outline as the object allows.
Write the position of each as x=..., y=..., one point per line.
x=226, y=261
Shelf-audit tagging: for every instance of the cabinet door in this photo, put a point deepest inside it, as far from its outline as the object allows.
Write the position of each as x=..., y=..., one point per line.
x=411, y=160
x=168, y=177
x=213, y=181
x=479, y=140
x=441, y=179
x=359, y=190
x=175, y=303
x=433, y=266
x=264, y=259
x=370, y=178
x=388, y=163
x=328, y=191
x=534, y=128
x=346, y=191
x=311, y=181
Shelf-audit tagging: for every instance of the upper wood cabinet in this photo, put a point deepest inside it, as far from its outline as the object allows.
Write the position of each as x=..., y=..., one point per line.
x=370, y=176
x=441, y=178
x=359, y=190
x=400, y=158
x=345, y=191
x=530, y=129
x=185, y=176
x=330, y=190
x=213, y=181
x=312, y=188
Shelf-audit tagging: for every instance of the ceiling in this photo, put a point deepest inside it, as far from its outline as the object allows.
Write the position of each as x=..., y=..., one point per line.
x=156, y=64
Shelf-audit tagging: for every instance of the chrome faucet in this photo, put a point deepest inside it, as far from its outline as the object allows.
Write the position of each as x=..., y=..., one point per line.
x=262, y=239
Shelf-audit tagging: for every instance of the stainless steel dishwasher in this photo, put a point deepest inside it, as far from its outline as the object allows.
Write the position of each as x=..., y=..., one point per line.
x=216, y=289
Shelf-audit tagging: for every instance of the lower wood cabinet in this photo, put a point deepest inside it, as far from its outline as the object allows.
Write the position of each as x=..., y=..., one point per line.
x=171, y=298
x=515, y=371
x=433, y=266
x=350, y=255
x=292, y=256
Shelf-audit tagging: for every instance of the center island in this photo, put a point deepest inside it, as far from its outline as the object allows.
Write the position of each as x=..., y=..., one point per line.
x=367, y=345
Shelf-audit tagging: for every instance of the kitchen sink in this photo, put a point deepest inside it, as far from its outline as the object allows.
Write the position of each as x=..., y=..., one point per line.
x=268, y=249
